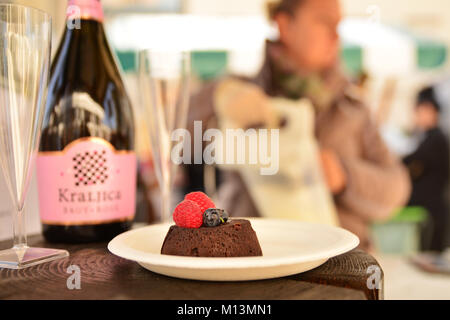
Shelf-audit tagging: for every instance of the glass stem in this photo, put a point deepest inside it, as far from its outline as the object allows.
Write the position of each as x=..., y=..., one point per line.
x=19, y=234
x=165, y=203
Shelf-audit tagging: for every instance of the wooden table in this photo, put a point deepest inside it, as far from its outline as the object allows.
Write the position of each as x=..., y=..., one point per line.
x=105, y=276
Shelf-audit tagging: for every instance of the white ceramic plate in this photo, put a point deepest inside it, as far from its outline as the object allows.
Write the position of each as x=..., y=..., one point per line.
x=289, y=247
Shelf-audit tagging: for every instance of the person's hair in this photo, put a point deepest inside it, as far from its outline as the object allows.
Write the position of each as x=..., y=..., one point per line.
x=427, y=95
x=286, y=6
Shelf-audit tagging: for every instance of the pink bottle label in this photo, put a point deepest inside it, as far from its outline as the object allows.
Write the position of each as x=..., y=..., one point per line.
x=89, y=182
x=85, y=9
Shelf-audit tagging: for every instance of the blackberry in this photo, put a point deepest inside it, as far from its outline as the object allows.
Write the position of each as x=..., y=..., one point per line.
x=223, y=215
x=214, y=217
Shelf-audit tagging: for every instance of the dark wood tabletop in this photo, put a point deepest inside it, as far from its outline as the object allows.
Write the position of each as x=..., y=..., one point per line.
x=104, y=276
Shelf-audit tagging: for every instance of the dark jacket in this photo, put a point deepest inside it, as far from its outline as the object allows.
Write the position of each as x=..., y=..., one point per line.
x=429, y=170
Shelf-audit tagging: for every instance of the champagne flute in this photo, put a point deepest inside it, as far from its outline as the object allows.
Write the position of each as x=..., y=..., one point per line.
x=164, y=90
x=25, y=43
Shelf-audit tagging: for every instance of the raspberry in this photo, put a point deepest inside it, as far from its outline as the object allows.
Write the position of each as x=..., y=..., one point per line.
x=188, y=215
x=201, y=199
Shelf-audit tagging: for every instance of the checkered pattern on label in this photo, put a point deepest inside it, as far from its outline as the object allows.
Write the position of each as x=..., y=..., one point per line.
x=90, y=168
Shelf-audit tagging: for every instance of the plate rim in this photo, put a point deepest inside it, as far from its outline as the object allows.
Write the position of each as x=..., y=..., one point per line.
x=116, y=246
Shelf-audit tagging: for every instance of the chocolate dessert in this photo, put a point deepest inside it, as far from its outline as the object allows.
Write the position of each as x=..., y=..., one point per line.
x=234, y=238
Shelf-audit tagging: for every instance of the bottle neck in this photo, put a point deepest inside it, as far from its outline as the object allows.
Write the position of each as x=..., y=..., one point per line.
x=85, y=10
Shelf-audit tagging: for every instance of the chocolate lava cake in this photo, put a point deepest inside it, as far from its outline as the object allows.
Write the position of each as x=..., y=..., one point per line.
x=235, y=238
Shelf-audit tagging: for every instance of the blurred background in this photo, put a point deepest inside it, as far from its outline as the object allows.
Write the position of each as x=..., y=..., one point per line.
x=390, y=49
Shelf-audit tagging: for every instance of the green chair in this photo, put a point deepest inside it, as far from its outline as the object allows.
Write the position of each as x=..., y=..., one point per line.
x=400, y=235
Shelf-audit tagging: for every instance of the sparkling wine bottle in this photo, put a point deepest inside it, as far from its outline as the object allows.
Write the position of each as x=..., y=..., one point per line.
x=86, y=164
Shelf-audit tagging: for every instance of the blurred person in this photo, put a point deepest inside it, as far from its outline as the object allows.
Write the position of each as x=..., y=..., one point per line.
x=367, y=181
x=429, y=170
